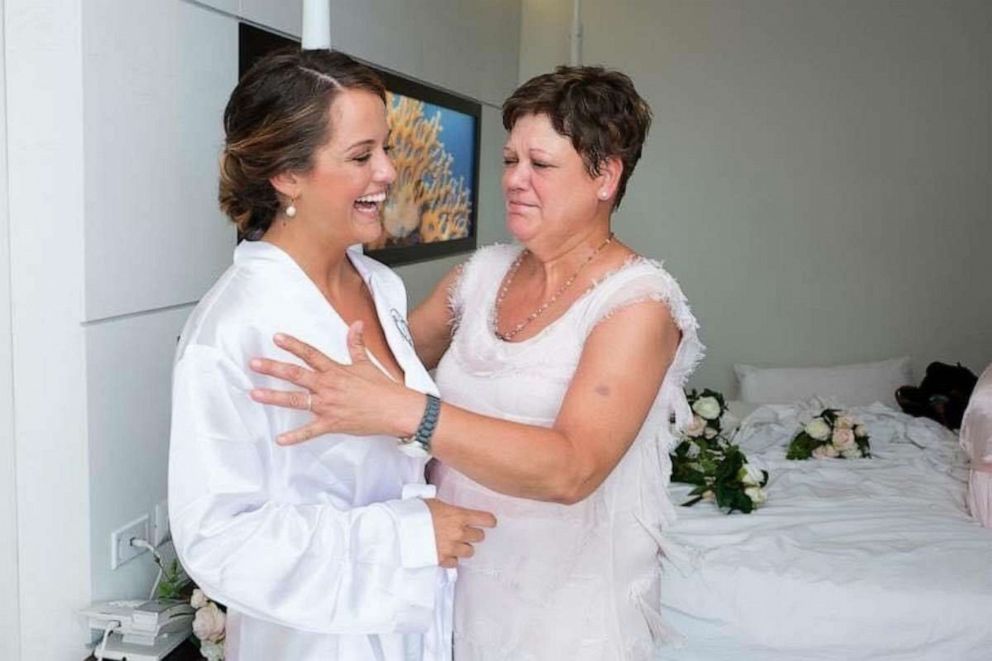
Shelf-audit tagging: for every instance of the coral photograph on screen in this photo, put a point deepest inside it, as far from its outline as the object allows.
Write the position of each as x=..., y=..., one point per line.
x=432, y=150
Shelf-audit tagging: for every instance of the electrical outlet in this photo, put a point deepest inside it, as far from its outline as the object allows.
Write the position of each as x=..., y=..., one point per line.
x=160, y=523
x=120, y=541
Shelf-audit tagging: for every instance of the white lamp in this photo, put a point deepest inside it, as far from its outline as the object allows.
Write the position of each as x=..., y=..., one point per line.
x=316, y=24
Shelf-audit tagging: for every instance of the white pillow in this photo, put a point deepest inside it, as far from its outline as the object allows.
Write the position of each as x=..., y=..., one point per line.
x=852, y=385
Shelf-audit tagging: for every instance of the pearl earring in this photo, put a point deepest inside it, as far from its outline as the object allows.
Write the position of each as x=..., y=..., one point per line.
x=603, y=195
x=291, y=209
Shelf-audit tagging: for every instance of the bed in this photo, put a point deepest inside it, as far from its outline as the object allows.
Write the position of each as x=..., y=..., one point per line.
x=849, y=559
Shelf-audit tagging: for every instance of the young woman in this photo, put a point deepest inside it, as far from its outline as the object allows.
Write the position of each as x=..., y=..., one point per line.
x=313, y=548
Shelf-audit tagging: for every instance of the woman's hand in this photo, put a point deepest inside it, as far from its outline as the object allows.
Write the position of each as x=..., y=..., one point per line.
x=456, y=529
x=351, y=399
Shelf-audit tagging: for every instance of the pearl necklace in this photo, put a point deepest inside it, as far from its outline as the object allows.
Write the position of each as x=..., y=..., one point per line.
x=510, y=334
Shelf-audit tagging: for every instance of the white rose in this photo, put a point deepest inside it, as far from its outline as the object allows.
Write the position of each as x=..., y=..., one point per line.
x=860, y=431
x=709, y=496
x=707, y=407
x=818, y=429
x=696, y=427
x=209, y=623
x=750, y=476
x=851, y=453
x=826, y=451
x=212, y=651
x=757, y=495
x=710, y=433
x=198, y=600
x=844, y=422
x=843, y=439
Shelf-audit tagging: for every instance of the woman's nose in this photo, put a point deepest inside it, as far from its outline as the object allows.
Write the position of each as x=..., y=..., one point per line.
x=514, y=176
x=385, y=171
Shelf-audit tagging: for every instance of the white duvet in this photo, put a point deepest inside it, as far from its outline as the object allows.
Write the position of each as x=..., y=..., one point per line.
x=849, y=559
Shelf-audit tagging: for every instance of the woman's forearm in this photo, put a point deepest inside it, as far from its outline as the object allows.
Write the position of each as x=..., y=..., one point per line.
x=520, y=460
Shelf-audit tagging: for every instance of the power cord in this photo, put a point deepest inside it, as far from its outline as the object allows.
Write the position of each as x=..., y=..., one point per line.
x=142, y=543
x=112, y=626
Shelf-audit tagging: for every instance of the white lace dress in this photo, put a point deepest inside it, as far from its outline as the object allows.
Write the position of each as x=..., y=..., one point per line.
x=572, y=582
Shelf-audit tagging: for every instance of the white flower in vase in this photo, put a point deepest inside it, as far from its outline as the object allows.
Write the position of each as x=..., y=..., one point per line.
x=208, y=624
x=198, y=600
x=212, y=651
x=707, y=407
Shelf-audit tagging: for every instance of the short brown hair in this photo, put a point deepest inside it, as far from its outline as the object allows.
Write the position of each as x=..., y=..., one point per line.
x=598, y=109
x=274, y=121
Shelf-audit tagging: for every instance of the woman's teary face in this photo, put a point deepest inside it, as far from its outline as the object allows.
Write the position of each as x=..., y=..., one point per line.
x=547, y=188
x=345, y=191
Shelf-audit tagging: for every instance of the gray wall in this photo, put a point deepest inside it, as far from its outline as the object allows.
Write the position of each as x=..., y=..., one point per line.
x=10, y=606
x=818, y=173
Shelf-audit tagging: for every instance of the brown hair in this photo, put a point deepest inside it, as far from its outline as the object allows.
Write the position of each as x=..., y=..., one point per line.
x=598, y=109
x=274, y=121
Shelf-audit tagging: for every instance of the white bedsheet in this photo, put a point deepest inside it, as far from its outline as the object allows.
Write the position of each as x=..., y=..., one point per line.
x=849, y=559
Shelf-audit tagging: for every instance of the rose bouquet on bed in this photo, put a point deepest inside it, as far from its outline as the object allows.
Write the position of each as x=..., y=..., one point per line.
x=706, y=458
x=833, y=434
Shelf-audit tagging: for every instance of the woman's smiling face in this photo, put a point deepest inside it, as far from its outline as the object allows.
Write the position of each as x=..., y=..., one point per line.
x=344, y=191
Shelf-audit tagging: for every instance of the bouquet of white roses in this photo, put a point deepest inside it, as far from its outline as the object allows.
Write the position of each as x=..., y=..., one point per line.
x=709, y=410
x=208, y=626
x=707, y=459
x=831, y=434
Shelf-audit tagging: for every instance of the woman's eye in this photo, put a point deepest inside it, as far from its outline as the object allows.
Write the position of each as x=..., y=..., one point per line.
x=509, y=161
x=538, y=164
x=363, y=158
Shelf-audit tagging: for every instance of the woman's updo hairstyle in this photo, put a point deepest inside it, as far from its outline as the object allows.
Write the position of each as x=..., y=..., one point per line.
x=598, y=109
x=274, y=121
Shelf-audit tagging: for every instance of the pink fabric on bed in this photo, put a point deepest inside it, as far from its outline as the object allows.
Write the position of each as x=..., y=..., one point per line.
x=976, y=439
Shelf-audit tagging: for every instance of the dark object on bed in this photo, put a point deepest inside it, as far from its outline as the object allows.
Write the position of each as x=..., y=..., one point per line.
x=942, y=395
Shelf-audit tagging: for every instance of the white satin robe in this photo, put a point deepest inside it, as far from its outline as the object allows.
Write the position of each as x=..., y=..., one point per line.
x=312, y=548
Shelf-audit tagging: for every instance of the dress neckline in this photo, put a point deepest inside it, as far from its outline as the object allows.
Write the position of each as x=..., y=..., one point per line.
x=630, y=261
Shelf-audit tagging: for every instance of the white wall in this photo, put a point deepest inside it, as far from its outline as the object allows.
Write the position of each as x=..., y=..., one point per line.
x=817, y=176
x=9, y=606
x=114, y=126
x=45, y=203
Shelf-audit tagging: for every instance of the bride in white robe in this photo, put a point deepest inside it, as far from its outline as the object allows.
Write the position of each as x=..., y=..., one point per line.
x=316, y=550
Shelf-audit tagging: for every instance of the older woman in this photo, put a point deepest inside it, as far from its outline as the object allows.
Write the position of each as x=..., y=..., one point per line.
x=560, y=362
x=313, y=548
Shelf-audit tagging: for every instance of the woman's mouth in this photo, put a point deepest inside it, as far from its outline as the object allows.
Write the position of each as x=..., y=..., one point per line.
x=370, y=205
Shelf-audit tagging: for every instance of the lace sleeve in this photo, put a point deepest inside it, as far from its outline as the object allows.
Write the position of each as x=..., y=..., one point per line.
x=650, y=282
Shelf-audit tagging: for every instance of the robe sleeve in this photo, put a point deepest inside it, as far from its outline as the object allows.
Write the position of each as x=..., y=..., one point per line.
x=313, y=567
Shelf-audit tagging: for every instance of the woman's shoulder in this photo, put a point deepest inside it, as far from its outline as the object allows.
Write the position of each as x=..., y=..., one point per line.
x=642, y=273
x=639, y=279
